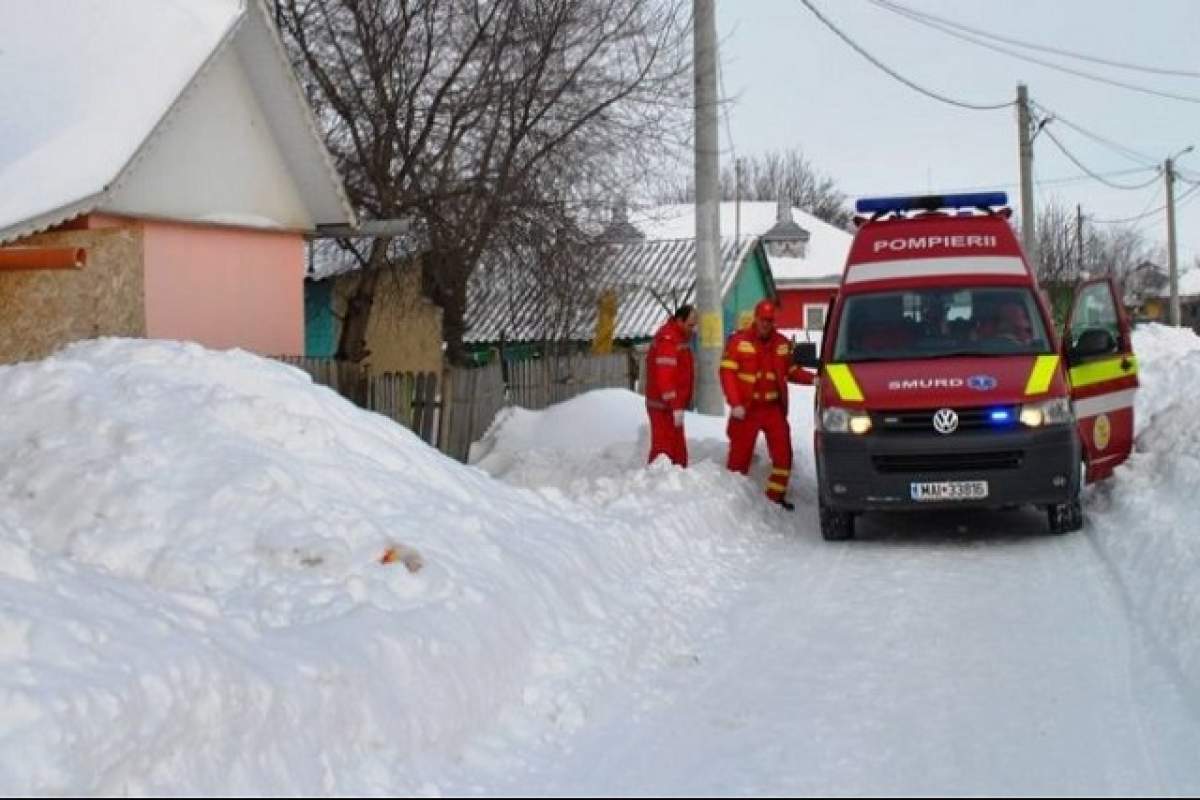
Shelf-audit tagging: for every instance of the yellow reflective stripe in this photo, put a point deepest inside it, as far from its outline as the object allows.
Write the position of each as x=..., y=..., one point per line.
x=772, y=395
x=746, y=347
x=770, y=376
x=748, y=377
x=1099, y=371
x=729, y=364
x=843, y=381
x=779, y=487
x=783, y=472
x=1042, y=375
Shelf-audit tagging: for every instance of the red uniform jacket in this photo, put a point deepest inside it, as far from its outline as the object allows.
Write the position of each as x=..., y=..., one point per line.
x=754, y=372
x=670, y=371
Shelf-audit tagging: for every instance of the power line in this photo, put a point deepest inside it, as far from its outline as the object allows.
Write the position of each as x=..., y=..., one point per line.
x=1092, y=174
x=901, y=9
x=1047, y=182
x=914, y=17
x=1127, y=152
x=1178, y=203
x=928, y=93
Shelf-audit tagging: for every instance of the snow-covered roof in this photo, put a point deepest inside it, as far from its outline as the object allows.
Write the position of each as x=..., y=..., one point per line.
x=88, y=83
x=508, y=303
x=826, y=251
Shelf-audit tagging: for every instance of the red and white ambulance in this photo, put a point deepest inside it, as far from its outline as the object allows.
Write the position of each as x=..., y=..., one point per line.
x=942, y=381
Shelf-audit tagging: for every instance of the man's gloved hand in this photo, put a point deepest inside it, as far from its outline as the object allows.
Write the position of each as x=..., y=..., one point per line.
x=738, y=412
x=678, y=418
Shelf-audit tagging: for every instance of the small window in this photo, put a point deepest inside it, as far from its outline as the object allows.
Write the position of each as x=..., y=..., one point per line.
x=814, y=318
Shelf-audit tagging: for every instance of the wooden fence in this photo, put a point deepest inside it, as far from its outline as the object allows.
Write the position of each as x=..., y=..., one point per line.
x=455, y=409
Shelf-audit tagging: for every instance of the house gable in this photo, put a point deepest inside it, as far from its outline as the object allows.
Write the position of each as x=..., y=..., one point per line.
x=215, y=161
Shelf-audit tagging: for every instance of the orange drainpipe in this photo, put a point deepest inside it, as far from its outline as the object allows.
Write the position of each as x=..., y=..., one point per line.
x=29, y=258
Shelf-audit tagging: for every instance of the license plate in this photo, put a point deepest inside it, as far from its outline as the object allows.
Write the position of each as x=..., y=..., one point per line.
x=949, y=490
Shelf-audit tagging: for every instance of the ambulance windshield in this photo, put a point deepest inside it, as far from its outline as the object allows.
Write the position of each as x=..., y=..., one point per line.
x=940, y=322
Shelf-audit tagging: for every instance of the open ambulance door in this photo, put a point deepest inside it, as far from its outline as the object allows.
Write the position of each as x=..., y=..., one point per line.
x=1098, y=350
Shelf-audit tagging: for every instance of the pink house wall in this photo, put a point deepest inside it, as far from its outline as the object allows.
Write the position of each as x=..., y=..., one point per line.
x=225, y=287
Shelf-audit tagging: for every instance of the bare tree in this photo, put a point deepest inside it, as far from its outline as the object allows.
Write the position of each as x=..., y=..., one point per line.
x=1069, y=253
x=767, y=176
x=474, y=117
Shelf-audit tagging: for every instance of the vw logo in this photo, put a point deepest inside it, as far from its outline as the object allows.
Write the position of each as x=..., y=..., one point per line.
x=945, y=421
x=982, y=383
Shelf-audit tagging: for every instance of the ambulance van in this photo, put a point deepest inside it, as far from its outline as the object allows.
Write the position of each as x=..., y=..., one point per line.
x=942, y=382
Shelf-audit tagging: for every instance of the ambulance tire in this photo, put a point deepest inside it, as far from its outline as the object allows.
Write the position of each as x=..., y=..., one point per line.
x=836, y=526
x=1065, y=517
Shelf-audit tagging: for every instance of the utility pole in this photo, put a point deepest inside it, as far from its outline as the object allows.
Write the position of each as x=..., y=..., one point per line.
x=1172, y=258
x=1024, y=138
x=709, y=399
x=1172, y=254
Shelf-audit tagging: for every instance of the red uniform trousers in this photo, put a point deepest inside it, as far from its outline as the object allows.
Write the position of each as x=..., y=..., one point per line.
x=743, y=433
x=665, y=438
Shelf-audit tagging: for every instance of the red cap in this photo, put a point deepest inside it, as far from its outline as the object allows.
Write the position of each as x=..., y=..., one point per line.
x=764, y=310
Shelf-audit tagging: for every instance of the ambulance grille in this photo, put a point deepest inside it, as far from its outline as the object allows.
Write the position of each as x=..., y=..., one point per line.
x=949, y=462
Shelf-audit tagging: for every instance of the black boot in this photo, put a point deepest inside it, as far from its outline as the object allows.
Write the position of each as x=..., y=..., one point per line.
x=785, y=505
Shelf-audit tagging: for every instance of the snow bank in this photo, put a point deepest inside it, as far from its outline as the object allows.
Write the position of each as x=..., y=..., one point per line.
x=1145, y=522
x=191, y=598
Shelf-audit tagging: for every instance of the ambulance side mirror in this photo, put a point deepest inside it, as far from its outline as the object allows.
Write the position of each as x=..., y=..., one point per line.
x=805, y=355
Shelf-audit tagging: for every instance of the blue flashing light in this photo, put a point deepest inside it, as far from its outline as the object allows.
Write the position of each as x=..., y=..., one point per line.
x=1002, y=416
x=930, y=202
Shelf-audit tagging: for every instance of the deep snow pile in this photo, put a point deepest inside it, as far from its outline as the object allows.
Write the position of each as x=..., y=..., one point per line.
x=1146, y=522
x=191, y=598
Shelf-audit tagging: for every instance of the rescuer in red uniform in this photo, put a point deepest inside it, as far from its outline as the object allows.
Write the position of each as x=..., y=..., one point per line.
x=670, y=375
x=755, y=371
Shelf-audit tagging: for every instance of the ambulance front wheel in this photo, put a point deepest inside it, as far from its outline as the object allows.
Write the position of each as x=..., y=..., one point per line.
x=1065, y=517
x=836, y=526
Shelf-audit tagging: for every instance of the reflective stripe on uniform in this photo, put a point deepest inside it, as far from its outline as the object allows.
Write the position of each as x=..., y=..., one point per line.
x=779, y=487
x=1041, y=375
x=670, y=360
x=748, y=377
x=746, y=347
x=843, y=382
x=669, y=395
x=782, y=472
x=729, y=364
x=772, y=395
x=783, y=350
x=1109, y=369
x=770, y=376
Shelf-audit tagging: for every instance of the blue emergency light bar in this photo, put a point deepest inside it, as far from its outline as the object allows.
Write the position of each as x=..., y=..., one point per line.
x=930, y=202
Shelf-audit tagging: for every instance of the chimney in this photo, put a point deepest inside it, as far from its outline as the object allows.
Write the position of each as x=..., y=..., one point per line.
x=620, y=230
x=786, y=239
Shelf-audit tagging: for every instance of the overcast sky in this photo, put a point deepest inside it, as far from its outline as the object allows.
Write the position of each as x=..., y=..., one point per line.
x=793, y=83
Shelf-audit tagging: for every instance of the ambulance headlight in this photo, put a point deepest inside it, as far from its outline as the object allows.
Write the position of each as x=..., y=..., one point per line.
x=843, y=420
x=1048, y=412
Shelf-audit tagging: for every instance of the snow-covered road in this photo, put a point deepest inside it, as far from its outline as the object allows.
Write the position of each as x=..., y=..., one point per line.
x=953, y=654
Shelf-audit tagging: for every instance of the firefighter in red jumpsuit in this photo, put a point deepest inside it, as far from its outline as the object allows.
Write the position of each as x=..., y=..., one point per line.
x=755, y=371
x=670, y=375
